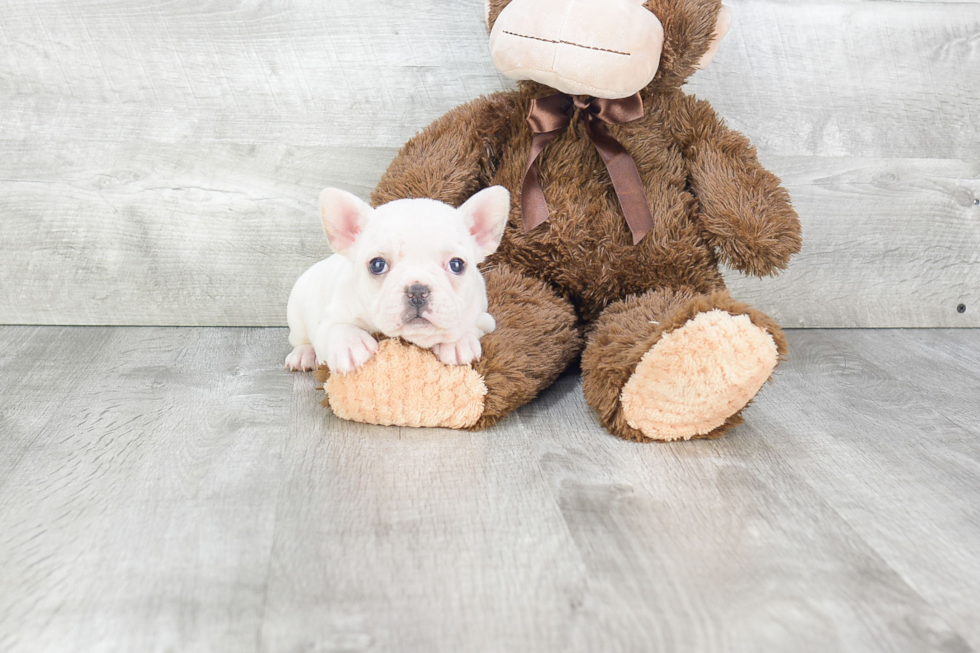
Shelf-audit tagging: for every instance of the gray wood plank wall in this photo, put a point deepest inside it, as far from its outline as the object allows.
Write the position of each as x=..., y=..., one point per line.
x=161, y=160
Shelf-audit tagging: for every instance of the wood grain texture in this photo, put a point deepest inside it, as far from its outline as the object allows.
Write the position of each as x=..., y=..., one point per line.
x=175, y=489
x=181, y=235
x=137, y=495
x=886, y=243
x=834, y=77
x=162, y=159
x=888, y=436
x=858, y=79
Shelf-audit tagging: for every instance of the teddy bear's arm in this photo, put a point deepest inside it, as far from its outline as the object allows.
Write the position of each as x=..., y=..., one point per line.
x=452, y=158
x=746, y=214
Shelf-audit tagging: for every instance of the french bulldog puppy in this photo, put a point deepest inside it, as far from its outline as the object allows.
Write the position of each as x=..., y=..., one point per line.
x=406, y=269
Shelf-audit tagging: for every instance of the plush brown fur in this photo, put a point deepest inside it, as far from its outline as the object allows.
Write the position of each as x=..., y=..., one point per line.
x=535, y=340
x=711, y=200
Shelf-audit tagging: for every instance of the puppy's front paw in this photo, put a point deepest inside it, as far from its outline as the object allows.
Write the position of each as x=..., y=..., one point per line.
x=349, y=351
x=486, y=323
x=301, y=359
x=462, y=352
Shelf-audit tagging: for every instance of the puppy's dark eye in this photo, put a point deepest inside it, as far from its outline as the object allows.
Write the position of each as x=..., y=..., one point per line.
x=378, y=266
x=457, y=265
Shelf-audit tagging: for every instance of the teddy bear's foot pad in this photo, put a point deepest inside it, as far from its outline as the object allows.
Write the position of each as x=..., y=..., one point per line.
x=697, y=376
x=406, y=386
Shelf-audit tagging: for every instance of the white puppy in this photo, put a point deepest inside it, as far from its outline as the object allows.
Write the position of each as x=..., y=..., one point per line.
x=406, y=269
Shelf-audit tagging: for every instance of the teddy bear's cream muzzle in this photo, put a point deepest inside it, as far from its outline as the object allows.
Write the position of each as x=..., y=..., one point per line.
x=609, y=49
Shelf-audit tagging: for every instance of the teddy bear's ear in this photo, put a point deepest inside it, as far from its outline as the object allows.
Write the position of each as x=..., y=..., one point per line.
x=344, y=217
x=492, y=9
x=721, y=29
x=486, y=216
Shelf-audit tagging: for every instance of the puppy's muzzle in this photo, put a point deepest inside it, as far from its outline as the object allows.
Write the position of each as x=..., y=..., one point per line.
x=417, y=295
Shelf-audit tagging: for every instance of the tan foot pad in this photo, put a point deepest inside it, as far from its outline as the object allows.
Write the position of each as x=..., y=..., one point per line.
x=698, y=376
x=404, y=385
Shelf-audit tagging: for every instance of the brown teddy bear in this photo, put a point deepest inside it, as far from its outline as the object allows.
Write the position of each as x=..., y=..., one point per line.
x=626, y=195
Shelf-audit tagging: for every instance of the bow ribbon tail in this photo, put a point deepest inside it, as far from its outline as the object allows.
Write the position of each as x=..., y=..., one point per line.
x=534, y=206
x=546, y=119
x=625, y=178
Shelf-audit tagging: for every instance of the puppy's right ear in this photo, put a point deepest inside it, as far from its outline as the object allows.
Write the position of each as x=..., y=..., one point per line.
x=344, y=217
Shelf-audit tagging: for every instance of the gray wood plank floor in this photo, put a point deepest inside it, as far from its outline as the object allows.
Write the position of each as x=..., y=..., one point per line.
x=176, y=490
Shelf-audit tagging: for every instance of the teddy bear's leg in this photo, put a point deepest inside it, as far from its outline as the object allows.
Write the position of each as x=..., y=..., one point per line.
x=677, y=365
x=536, y=338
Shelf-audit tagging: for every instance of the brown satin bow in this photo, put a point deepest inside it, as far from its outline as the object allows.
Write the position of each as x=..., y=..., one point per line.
x=551, y=115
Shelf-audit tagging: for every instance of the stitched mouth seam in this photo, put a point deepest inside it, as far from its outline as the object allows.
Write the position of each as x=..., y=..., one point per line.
x=577, y=45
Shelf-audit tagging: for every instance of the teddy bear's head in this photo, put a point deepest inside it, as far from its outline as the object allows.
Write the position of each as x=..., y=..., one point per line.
x=604, y=48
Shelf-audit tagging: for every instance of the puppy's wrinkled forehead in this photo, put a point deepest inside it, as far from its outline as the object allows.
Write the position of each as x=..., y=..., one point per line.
x=417, y=226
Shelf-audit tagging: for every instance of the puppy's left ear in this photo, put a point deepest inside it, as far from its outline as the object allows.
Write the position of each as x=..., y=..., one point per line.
x=486, y=216
x=344, y=217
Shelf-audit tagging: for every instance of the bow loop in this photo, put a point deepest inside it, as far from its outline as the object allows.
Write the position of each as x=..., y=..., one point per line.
x=616, y=112
x=551, y=115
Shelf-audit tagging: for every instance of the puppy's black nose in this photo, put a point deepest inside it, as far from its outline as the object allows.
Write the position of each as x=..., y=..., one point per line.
x=417, y=294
